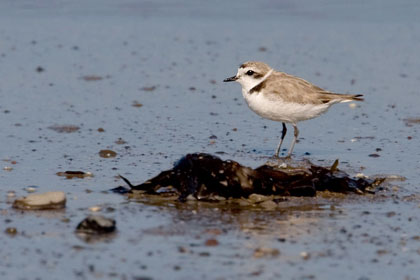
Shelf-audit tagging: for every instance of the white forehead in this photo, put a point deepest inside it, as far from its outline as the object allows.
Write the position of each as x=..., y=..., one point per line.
x=258, y=67
x=242, y=70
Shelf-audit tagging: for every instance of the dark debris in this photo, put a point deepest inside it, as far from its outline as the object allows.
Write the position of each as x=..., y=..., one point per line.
x=205, y=176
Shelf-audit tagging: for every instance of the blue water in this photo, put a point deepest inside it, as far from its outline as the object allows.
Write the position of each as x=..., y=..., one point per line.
x=185, y=49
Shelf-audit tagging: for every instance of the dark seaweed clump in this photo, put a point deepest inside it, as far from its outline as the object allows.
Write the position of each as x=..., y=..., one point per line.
x=205, y=176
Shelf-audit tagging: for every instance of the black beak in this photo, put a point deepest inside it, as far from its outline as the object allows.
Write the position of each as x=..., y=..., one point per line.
x=231, y=79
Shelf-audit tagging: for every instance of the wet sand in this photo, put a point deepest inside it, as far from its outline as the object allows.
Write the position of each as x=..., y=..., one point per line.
x=144, y=80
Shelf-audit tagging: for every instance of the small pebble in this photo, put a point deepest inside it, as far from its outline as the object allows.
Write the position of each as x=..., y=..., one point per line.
x=95, y=208
x=11, y=194
x=75, y=174
x=212, y=242
x=136, y=104
x=43, y=201
x=305, y=255
x=96, y=225
x=31, y=189
x=64, y=128
x=266, y=252
x=390, y=214
x=120, y=141
x=90, y=78
x=183, y=250
x=152, y=88
x=374, y=155
x=11, y=231
x=107, y=154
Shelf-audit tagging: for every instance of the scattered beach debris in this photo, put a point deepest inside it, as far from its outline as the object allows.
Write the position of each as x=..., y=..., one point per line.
x=12, y=231
x=31, y=189
x=7, y=168
x=11, y=194
x=64, y=128
x=305, y=255
x=207, y=177
x=136, y=104
x=75, y=174
x=96, y=224
x=266, y=253
x=151, y=88
x=211, y=242
x=107, y=154
x=92, y=78
x=95, y=208
x=411, y=121
x=42, y=201
x=262, y=49
x=374, y=155
x=120, y=141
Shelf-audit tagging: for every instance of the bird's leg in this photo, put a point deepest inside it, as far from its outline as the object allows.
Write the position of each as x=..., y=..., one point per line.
x=294, y=141
x=283, y=133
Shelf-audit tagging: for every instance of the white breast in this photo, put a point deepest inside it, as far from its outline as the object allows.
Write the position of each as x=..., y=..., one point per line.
x=277, y=110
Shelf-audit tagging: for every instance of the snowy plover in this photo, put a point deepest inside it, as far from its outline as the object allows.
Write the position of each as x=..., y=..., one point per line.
x=285, y=98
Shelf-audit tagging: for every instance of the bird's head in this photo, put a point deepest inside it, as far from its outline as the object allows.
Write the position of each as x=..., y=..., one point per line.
x=250, y=74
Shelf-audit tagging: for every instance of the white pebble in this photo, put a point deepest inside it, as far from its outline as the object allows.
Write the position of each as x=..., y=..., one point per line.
x=305, y=255
x=11, y=194
x=48, y=200
x=95, y=208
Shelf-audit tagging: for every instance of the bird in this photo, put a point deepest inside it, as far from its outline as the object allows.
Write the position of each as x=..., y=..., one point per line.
x=285, y=98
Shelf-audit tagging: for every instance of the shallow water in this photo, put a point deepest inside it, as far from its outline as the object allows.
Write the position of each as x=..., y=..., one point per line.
x=91, y=65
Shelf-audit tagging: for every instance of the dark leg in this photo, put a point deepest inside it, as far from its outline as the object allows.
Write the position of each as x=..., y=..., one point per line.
x=294, y=141
x=283, y=133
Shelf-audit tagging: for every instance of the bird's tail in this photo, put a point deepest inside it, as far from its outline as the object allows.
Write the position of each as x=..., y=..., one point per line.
x=350, y=97
x=332, y=98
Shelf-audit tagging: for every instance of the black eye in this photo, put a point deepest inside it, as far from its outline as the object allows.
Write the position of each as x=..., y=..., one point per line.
x=250, y=73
